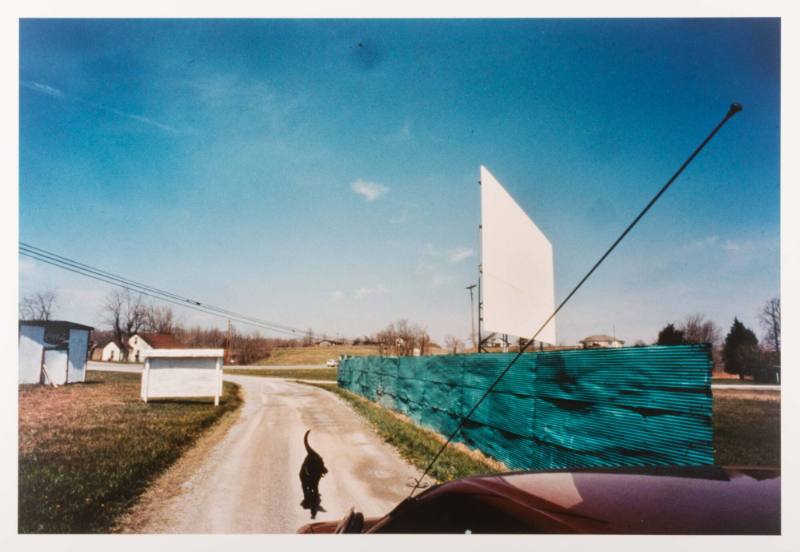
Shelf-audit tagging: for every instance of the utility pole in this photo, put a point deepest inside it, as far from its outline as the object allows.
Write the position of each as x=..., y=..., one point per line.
x=472, y=315
x=228, y=348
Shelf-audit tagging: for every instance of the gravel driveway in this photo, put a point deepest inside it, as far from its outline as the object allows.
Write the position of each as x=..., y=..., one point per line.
x=245, y=479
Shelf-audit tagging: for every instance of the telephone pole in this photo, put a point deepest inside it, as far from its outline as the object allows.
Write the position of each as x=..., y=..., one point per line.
x=472, y=313
x=228, y=348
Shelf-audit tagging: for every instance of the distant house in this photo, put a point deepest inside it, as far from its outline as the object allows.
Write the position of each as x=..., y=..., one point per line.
x=140, y=342
x=325, y=344
x=52, y=351
x=107, y=351
x=600, y=340
x=495, y=342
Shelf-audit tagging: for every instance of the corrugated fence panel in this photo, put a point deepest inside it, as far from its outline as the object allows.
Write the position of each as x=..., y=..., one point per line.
x=630, y=406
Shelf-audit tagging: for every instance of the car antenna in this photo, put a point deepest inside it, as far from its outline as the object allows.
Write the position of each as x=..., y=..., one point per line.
x=733, y=110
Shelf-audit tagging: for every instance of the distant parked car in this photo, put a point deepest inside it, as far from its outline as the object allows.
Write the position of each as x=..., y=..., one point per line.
x=705, y=500
x=332, y=363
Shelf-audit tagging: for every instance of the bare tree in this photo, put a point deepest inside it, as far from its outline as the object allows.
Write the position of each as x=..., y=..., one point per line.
x=696, y=329
x=454, y=344
x=38, y=306
x=401, y=338
x=160, y=319
x=386, y=340
x=422, y=339
x=126, y=314
x=770, y=318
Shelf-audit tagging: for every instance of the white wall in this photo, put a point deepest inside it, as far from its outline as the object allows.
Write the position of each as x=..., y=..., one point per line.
x=78, y=349
x=56, y=362
x=182, y=373
x=31, y=344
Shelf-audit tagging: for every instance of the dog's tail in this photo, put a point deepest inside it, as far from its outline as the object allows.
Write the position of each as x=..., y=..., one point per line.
x=305, y=442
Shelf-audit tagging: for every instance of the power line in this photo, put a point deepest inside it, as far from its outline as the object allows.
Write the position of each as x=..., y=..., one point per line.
x=89, y=271
x=146, y=287
x=733, y=110
x=192, y=306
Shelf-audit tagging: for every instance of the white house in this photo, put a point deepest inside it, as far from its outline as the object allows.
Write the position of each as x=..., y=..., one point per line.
x=142, y=342
x=111, y=352
x=52, y=351
x=600, y=340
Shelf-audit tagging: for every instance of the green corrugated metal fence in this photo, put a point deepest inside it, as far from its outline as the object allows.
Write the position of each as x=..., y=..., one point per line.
x=634, y=406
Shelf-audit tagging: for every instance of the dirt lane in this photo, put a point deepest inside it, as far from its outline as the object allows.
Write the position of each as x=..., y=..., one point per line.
x=246, y=480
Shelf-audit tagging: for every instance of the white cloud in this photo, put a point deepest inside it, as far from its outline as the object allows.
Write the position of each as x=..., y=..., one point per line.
x=438, y=280
x=358, y=294
x=140, y=118
x=728, y=245
x=363, y=292
x=733, y=246
x=460, y=254
x=370, y=190
x=702, y=244
x=43, y=88
x=56, y=93
x=338, y=295
x=400, y=219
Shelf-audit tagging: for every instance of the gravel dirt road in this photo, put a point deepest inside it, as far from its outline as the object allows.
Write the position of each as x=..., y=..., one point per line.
x=243, y=477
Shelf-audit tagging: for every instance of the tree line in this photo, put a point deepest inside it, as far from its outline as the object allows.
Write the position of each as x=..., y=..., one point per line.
x=740, y=352
x=125, y=314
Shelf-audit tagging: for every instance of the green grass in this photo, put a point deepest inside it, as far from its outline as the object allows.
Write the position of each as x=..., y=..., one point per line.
x=319, y=374
x=87, y=451
x=747, y=432
x=415, y=444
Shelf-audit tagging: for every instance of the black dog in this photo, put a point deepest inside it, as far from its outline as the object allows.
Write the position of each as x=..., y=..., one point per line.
x=312, y=470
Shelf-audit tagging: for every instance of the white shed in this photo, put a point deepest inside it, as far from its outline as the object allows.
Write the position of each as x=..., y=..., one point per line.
x=52, y=351
x=182, y=373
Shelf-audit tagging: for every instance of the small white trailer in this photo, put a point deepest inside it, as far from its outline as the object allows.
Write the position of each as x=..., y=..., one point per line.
x=180, y=373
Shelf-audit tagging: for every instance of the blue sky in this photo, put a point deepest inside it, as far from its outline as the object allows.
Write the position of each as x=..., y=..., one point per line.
x=324, y=173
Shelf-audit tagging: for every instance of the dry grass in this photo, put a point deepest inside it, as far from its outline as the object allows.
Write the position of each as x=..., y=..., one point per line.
x=87, y=451
x=291, y=356
x=747, y=428
x=318, y=374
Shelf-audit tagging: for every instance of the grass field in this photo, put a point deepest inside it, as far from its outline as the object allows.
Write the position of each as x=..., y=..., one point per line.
x=415, y=444
x=86, y=451
x=320, y=374
x=747, y=428
x=735, y=381
x=288, y=356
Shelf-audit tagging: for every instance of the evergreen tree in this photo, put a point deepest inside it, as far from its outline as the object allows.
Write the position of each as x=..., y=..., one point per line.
x=740, y=351
x=669, y=335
